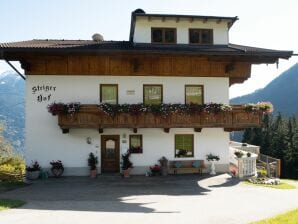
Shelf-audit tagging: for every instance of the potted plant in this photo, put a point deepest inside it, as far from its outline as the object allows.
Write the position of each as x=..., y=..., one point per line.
x=92, y=162
x=155, y=170
x=126, y=164
x=239, y=154
x=212, y=158
x=57, y=168
x=33, y=171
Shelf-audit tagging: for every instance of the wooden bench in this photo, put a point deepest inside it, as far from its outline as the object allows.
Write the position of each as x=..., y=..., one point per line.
x=186, y=166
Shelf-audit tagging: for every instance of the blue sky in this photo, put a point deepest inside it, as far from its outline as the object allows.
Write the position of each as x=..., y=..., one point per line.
x=266, y=23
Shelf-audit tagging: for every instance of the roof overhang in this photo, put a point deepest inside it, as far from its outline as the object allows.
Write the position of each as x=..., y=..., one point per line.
x=43, y=48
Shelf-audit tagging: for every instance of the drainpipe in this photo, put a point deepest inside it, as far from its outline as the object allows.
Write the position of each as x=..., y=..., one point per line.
x=14, y=68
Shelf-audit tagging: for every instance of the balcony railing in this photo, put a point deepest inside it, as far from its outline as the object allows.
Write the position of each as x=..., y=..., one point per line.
x=90, y=116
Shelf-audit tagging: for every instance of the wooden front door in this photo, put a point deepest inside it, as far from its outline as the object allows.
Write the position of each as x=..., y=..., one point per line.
x=110, y=153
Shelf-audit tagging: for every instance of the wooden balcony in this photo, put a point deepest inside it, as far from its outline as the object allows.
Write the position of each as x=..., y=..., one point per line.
x=90, y=116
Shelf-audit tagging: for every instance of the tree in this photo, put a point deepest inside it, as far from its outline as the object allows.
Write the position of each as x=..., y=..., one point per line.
x=5, y=148
x=247, y=135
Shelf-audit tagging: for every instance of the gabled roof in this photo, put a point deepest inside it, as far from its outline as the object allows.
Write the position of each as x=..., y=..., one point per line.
x=93, y=47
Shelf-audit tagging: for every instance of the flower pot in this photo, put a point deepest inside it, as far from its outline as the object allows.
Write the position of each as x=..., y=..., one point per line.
x=93, y=173
x=57, y=172
x=126, y=173
x=213, y=167
x=33, y=175
x=164, y=171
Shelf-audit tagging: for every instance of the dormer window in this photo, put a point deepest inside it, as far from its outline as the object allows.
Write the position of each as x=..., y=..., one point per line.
x=200, y=36
x=163, y=35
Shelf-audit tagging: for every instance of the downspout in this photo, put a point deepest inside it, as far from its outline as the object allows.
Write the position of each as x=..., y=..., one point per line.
x=17, y=71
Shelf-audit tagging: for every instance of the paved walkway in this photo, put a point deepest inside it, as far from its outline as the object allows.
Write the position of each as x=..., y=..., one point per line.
x=173, y=199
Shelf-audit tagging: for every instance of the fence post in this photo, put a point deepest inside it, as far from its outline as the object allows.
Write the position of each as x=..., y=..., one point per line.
x=278, y=165
x=268, y=167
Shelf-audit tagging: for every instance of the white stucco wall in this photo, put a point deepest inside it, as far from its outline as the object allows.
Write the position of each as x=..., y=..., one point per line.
x=45, y=141
x=143, y=29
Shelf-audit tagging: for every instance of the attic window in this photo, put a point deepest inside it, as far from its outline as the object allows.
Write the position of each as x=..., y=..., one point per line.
x=200, y=36
x=163, y=35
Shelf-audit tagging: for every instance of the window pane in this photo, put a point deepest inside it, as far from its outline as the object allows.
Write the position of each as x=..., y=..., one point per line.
x=135, y=144
x=194, y=36
x=170, y=36
x=109, y=94
x=157, y=35
x=183, y=145
x=194, y=94
x=206, y=36
x=152, y=95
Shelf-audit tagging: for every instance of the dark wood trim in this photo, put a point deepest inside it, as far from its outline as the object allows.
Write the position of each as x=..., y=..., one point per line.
x=192, y=145
x=115, y=85
x=200, y=30
x=203, y=95
x=141, y=137
x=145, y=85
x=163, y=30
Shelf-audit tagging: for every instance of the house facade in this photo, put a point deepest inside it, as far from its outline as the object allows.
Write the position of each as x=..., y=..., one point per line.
x=168, y=59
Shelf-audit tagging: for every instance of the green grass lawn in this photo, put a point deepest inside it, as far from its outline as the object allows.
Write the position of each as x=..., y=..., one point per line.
x=8, y=203
x=290, y=180
x=290, y=217
x=283, y=185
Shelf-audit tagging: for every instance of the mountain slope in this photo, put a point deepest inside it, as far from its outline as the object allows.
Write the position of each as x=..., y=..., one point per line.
x=12, y=89
x=282, y=92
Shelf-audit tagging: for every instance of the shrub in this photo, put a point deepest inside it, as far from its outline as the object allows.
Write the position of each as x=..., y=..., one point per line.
x=262, y=173
x=12, y=168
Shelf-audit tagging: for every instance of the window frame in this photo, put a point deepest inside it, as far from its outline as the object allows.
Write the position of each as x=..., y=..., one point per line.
x=141, y=139
x=192, y=156
x=145, y=85
x=200, y=30
x=190, y=85
x=105, y=85
x=163, y=30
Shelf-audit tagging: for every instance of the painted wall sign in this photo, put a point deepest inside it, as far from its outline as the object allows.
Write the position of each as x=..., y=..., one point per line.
x=130, y=92
x=43, y=92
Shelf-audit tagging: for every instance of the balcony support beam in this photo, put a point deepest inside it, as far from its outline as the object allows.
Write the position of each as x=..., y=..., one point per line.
x=135, y=130
x=166, y=130
x=100, y=130
x=233, y=129
x=197, y=129
x=65, y=130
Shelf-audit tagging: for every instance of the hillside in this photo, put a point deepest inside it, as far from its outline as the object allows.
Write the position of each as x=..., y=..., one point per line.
x=12, y=108
x=282, y=92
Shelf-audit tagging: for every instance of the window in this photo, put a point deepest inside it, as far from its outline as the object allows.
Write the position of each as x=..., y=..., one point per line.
x=194, y=94
x=109, y=93
x=163, y=35
x=152, y=94
x=200, y=36
x=136, y=143
x=184, y=146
